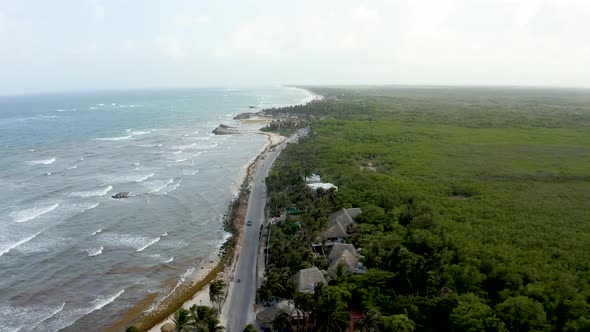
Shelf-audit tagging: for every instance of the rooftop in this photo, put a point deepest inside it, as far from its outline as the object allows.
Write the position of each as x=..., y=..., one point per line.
x=307, y=278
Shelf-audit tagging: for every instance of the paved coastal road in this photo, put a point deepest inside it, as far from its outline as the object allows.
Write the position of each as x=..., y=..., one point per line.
x=239, y=307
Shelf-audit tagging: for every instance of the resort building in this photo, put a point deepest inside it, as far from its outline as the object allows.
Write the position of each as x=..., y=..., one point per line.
x=306, y=279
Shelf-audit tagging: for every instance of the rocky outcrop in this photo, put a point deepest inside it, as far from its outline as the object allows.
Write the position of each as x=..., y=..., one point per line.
x=123, y=194
x=243, y=116
x=224, y=130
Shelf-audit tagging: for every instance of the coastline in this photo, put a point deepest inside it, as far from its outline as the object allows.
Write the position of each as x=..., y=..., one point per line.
x=212, y=267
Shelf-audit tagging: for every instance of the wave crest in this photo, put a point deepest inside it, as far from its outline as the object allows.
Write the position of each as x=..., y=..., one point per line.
x=11, y=246
x=94, y=251
x=32, y=213
x=93, y=193
x=42, y=162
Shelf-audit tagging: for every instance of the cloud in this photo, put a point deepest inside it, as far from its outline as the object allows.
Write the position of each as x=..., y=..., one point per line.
x=324, y=34
x=171, y=47
x=97, y=9
x=191, y=21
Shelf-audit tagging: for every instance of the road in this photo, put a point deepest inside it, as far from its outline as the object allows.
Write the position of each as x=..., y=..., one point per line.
x=239, y=310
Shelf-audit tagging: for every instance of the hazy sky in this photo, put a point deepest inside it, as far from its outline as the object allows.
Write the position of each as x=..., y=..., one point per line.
x=97, y=44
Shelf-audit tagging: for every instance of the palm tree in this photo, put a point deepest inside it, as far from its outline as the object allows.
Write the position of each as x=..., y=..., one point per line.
x=372, y=321
x=181, y=319
x=331, y=315
x=216, y=291
x=282, y=320
x=340, y=273
x=249, y=328
x=204, y=319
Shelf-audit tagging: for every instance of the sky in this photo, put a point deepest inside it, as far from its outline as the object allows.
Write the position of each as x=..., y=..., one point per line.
x=67, y=45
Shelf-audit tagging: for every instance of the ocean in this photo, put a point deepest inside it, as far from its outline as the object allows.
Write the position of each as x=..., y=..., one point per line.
x=74, y=259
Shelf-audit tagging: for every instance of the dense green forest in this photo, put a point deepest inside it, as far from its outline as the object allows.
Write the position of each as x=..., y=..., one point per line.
x=476, y=207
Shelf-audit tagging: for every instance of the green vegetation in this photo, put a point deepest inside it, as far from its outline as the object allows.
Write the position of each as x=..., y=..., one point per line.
x=475, y=207
x=197, y=319
x=216, y=292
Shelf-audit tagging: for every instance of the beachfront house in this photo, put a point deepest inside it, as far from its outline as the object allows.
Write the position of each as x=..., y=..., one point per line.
x=297, y=317
x=314, y=178
x=346, y=254
x=321, y=185
x=339, y=224
x=306, y=279
x=343, y=253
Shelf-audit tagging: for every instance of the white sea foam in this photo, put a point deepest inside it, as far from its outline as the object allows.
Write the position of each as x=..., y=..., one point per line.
x=100, y=104
x=48, y=173
x=182, y=279
x=71, y=317
x=143, y=178
x=124, y=240
x=180, y=160
x=148, y=244
x=135, y=164
x=184, y=147
x=177, y=152
x=169, y=260
x=97, y=231
x=125, y=178
x=86, y=207
x=20, y=318
x=159, y=186
x=93, y=193
x=119, y=138
x=42, y=162
x=81, y=159
x=140, y=132
x=94, y=251
x=165, y=234
x=51, y=314
x=195, y=172
x=4, y=248
x=32, y=213
x=73, y=167
x=171, y=188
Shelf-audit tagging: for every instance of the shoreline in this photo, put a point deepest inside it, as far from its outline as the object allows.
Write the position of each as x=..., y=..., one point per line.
x=212, y=266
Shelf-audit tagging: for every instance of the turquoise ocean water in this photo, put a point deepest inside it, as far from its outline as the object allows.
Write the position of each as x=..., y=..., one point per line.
x=74, y=259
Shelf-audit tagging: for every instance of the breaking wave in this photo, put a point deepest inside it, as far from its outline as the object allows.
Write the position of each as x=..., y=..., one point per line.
x=144, y=178
x=119, y=138
x=148, y=244
x=94, y=251
x=93, y=193
x=11, y=246
x=42, y=162
x=32, y=213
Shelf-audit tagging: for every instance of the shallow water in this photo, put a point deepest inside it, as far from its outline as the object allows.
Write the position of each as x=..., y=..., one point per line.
x=71, y=257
